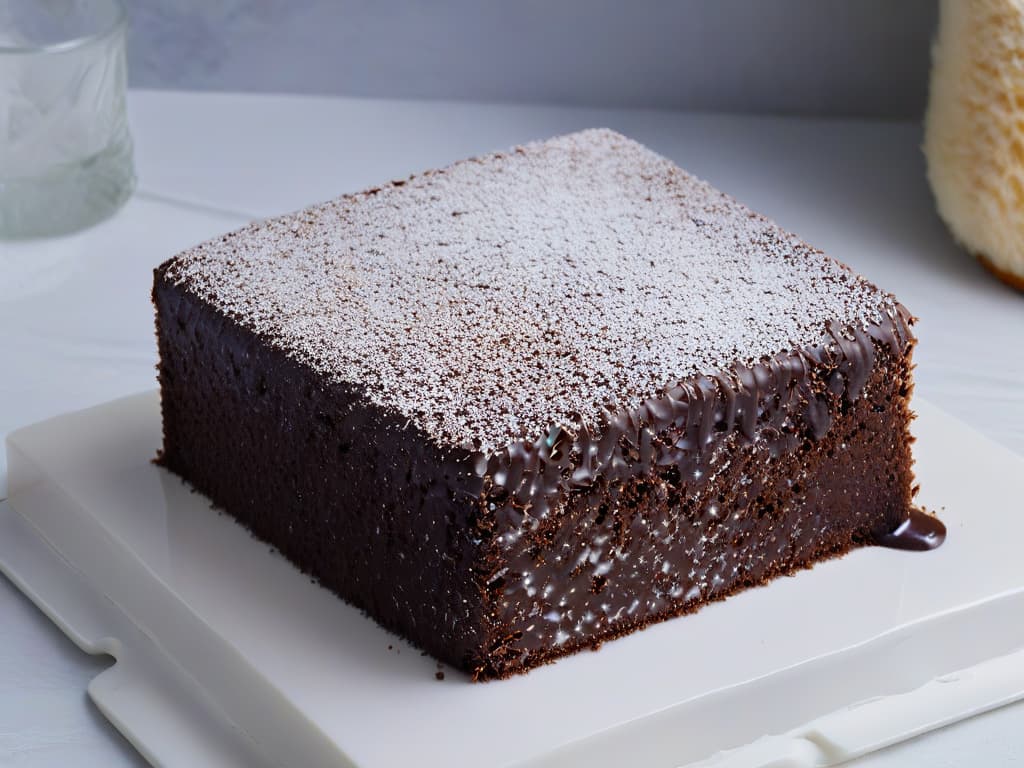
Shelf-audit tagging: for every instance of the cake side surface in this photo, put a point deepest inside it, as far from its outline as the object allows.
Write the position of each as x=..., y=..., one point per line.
x=351, y=495
x=721, y=483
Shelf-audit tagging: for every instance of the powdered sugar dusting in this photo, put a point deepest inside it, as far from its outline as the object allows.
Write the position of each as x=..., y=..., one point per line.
x=506, y=293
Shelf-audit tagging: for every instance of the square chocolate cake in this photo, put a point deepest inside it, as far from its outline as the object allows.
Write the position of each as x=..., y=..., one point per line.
x=536, y=400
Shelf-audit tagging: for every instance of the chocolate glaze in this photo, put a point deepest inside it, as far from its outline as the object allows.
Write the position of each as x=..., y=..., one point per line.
x=773, y=401
x=578, y=534
x=918, y=533
x=498, y=562
x=538, y=400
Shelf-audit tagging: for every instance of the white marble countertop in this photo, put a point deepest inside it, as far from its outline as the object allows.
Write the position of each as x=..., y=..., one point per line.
x=77, y=326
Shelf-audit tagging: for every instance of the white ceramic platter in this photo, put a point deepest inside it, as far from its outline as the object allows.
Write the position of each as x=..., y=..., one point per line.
x=226, y=655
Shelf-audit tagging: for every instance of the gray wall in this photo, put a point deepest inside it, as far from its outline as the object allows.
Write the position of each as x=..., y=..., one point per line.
x=836, y=57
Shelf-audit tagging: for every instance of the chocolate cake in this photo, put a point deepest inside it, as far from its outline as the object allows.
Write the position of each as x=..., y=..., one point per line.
x=537, y=400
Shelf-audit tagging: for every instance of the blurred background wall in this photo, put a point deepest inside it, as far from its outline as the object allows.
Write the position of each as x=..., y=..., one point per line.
x=830, y=57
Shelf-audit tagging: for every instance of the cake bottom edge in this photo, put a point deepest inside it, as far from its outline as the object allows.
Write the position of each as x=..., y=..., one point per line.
x=838, y=549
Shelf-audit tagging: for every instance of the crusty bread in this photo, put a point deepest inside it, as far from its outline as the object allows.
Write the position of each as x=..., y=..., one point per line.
x=974, y=130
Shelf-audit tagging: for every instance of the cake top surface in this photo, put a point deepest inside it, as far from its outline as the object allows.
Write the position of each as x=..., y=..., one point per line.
x=503, y=294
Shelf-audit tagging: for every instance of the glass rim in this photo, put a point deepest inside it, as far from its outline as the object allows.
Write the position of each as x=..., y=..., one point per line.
x=116, y=26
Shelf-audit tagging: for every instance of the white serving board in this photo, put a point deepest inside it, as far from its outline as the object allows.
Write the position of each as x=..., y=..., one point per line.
x=226, y=655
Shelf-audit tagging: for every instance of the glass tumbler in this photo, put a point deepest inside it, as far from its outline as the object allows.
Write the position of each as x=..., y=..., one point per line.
x=65, y=150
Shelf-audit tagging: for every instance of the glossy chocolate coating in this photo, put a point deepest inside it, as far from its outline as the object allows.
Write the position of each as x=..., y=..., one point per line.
x=918, y=533
x=497, y=563
x=723, y=482
x=505, y=471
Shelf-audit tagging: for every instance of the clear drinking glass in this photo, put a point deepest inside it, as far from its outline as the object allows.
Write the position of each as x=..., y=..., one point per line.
x=65, y=150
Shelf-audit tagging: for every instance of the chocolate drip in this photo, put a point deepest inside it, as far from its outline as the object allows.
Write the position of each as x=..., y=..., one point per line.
x=775, y=401
x=918, y=533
